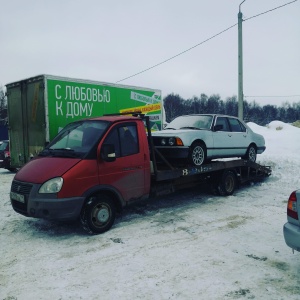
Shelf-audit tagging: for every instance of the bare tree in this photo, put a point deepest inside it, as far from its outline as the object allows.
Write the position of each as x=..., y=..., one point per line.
x=3, y=107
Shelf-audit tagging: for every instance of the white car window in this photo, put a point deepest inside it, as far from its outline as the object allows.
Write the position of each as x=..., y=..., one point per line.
x=222, y=121
x=236, y=125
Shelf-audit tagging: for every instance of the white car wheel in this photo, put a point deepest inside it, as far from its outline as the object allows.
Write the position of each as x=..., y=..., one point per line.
x=197, y=154
x=251, y=154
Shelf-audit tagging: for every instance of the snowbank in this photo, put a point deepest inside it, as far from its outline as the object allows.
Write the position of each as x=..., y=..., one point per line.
x=190, y=245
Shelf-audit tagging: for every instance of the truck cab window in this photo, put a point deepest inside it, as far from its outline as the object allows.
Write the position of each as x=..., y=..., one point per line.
x=125, y=140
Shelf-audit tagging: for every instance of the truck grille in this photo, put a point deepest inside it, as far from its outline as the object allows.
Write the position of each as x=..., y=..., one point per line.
x=23, y=189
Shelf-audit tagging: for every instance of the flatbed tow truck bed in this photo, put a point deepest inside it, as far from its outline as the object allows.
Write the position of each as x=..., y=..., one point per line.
x=222, y=175
x=247, y=169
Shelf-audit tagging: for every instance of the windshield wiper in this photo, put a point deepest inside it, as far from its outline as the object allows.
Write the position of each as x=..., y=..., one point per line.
x=190, y=127
x=64, y=152
x=62, y=149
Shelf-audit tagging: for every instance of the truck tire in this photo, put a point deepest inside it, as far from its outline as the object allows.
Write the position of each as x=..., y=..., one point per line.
x=250, y=154
x=98, y=214
x=197, y=154
x=227, y=183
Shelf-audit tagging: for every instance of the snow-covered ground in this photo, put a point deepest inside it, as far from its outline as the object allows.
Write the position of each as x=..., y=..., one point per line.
x=190, y=245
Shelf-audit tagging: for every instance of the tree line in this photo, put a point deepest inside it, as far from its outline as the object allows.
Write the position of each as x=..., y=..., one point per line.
x=176, y=106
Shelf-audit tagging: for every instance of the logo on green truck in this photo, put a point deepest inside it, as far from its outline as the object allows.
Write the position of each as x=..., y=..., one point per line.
x=71, y=101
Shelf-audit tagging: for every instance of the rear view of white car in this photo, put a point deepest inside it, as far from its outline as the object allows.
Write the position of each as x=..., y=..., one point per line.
x=291, y=229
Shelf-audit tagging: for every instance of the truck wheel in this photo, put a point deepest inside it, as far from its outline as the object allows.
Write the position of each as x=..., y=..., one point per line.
x=197, y=154
x=250, y=154
x=98, y=214
x=227, y=183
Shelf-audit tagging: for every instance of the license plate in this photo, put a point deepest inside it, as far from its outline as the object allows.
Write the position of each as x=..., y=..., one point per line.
x=17, y=197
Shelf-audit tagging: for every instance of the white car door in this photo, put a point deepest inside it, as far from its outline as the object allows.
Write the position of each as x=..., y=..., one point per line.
x=239, y=137
x=222, y=138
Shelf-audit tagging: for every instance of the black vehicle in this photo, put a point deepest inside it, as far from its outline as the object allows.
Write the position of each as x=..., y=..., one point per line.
x=5, y=155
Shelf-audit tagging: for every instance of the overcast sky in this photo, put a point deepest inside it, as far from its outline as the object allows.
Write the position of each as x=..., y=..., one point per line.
x=111, y=40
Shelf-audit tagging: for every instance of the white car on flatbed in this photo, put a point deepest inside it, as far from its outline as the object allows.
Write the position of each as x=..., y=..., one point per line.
x=201, y=137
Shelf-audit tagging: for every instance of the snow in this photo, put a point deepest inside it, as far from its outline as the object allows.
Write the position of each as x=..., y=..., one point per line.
x=188, y=245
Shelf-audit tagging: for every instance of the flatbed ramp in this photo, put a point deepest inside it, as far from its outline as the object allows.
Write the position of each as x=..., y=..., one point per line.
x=249, y=170
x=222, y=175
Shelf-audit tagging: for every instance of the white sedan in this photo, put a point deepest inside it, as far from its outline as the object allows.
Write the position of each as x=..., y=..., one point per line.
x=200, y=138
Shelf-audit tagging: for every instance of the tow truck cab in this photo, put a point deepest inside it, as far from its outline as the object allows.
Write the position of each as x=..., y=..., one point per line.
x=107, y=156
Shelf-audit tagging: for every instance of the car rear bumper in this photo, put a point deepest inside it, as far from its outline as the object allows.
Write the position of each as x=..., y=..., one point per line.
x=260, y=150
x=5, y=163
x=291, y=235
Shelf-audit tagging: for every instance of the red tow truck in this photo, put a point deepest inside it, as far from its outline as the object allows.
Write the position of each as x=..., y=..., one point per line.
x=95, y=167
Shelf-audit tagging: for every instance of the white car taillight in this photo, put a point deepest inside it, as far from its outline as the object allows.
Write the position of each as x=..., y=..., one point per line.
x=292, y=206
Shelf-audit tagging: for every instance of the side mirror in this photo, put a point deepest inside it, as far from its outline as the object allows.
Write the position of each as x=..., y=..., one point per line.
x=108, y=152
x=218, y=127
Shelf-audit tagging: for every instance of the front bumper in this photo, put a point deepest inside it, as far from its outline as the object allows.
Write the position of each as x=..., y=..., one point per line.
x=174, y=152
x=291, y=235
x=44, y=206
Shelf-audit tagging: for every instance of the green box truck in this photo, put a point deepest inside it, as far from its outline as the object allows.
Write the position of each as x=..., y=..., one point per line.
x=39, y=107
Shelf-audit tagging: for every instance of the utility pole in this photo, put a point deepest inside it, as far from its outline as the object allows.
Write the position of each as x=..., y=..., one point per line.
x=240, y=64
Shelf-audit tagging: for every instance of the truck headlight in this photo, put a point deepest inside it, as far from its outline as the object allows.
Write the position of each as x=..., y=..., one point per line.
x=53, y=185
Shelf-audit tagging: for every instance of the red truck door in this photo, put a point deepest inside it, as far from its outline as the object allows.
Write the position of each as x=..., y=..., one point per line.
x=130, y=172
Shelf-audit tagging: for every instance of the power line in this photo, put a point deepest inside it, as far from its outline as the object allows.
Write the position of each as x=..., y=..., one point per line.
x=286, y=96
x=179, y=53
x=270, y=10
x=203, y=42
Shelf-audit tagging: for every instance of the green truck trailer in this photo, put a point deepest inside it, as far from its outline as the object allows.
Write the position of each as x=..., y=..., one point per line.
x=39, y=107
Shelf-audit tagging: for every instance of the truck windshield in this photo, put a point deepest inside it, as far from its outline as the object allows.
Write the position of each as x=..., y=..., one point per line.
x=76, y=139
